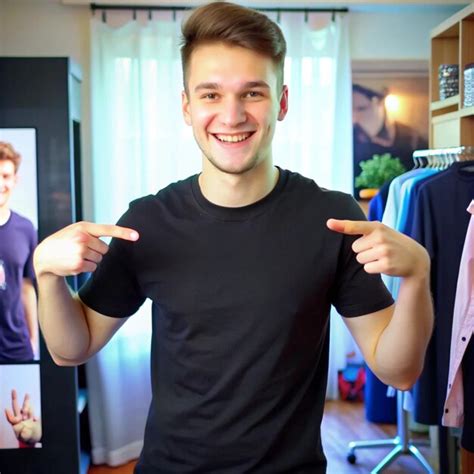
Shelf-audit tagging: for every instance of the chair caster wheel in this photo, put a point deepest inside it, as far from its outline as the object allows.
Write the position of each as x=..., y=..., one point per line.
x=351, y=458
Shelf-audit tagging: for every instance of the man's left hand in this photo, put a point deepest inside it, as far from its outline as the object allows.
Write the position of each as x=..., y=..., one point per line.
x=383, y=250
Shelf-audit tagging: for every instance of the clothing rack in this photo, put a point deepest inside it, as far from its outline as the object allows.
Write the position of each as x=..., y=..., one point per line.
x=401, y=444
x=442, y=158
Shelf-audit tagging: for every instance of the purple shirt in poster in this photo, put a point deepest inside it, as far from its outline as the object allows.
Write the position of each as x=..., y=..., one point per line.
x=18, y=240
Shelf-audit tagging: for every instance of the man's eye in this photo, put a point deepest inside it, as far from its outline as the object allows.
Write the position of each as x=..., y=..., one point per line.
x=210, y=96
x=253, y=94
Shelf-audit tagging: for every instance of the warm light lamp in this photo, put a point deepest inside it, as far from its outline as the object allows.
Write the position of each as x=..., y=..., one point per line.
x=392, y=103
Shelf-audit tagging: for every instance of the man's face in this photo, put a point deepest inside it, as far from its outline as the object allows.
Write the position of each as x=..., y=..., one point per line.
x=7, y=181
x=233, y=103
x=368, y=114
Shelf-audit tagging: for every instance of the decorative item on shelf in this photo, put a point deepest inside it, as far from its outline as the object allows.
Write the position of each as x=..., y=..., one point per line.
x=375, y=172
x=448, y=75
x=468, y=85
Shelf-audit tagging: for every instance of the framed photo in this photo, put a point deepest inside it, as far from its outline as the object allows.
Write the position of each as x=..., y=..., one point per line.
x=390, y=111
x=25, y=198
x=20, y=397
x=18, y=240
x=20, y=402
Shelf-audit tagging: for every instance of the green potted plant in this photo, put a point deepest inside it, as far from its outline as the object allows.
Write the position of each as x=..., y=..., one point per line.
x=375, y=172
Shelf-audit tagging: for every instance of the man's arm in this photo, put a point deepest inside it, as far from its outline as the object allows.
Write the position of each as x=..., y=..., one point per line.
x=73, y=332
x=30, y=306
x=393, y=340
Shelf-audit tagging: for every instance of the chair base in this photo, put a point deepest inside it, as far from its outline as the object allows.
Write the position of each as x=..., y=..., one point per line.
x=398, y=450
x=401, y=444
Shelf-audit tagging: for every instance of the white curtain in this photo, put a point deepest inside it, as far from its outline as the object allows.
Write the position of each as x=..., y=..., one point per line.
x=315, y=138
x=140, y=144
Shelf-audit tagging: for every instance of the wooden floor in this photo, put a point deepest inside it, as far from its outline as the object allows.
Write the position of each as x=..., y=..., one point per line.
x=343, y=422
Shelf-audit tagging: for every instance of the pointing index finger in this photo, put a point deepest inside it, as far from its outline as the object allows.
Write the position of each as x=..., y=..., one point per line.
x=351, y=227
x=107, y=230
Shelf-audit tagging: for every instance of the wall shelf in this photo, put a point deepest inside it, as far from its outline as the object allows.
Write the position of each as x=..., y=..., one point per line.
x=443, y=104
x=452, y=42
x=467, y=112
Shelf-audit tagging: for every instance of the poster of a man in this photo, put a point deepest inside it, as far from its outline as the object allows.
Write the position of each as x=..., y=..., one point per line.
x=19, y=335
x=377, y=133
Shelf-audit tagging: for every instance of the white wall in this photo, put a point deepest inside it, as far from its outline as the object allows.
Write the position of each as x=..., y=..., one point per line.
x=391, y=34
x=49, y=28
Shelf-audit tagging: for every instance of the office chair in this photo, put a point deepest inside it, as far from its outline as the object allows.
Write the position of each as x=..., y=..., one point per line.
x=401, y=444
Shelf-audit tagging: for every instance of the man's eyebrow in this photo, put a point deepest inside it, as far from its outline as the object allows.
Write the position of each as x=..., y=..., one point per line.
x=206, y=86
x=215, y=86
x=252, y=84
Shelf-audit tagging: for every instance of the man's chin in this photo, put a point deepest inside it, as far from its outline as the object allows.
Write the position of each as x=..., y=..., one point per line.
x=237, y=171
x=233, y=168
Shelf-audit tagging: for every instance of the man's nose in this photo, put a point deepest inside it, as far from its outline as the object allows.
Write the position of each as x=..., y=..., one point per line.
x=233, y=112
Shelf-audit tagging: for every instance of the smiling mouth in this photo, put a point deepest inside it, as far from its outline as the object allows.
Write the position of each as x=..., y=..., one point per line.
x=236, y=138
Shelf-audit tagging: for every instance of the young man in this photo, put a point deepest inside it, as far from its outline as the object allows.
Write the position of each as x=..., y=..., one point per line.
x=18, y=302
x=242, y=263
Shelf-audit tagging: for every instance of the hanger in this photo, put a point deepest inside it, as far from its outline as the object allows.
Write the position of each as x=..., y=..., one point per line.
x=443, y=158
x=466, y=156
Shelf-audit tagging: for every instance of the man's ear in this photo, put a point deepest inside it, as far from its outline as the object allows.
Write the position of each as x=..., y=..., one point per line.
x=283, y=103
x=185, y=107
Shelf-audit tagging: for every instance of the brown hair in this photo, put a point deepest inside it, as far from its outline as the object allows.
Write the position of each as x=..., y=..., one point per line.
x=7, y=152
x=234, y=25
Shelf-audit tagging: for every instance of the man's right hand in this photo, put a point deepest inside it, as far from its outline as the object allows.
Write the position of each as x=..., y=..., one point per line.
x=26, y=426
x=77, y=248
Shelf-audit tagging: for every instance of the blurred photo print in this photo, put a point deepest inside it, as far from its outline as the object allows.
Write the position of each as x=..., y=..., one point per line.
x=20, y=401
x=19, y=333
x=390, y=122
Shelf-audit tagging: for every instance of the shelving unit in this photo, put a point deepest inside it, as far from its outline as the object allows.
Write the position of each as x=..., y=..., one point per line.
x=452, y=42
x=452, y=124
x=44, y=93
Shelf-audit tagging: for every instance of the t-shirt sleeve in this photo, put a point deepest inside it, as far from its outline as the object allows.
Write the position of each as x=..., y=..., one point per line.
x=113, y=288
x=355, y=291
x=28, y=269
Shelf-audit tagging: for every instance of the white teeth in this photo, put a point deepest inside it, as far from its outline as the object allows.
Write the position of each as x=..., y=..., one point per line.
x=233, y=138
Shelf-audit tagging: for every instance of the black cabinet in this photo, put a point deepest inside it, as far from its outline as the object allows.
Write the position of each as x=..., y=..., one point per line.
x=44, y=93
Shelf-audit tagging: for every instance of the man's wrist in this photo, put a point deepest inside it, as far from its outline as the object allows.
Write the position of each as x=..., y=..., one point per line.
x=421, y=267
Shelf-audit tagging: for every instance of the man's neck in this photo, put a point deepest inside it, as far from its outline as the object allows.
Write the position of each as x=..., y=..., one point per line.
x=238, y=190
x=4, y=214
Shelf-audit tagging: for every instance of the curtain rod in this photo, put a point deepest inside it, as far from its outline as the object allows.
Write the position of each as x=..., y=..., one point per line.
x=98, y=6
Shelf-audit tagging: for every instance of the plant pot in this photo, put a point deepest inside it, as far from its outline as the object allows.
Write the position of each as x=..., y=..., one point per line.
x=368, y=193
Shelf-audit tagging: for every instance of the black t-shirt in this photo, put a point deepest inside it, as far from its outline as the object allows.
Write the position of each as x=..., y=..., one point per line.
x=241, y=300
